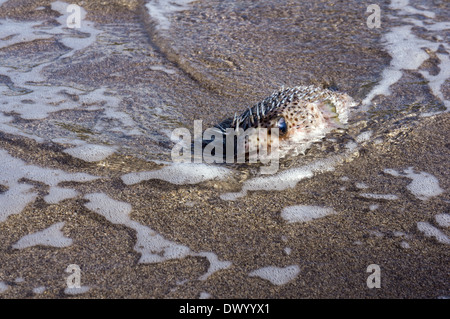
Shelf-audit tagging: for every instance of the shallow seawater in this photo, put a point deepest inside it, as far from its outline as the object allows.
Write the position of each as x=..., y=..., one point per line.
x=87, y=114
x=129, y=85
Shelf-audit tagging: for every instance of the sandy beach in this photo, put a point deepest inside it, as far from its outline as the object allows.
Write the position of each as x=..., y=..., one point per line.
x=86, y=176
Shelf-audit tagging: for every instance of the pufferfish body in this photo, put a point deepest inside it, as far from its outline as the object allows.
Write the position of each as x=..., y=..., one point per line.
x=302, y=114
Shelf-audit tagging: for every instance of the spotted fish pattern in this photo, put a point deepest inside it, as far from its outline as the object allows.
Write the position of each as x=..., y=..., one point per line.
x=302, y=114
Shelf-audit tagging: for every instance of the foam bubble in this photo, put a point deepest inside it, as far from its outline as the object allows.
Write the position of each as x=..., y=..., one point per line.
x=305, y=213
x=283, y=180
x=361, y=185
x=51, y=236
x=15, y=199
x=91, y=152
x=179, y=173
x=13, y=32
x=364, y=137
x=114, y=211
x=431, y=231
x=48, y=99
x=3, y=287
x=19, y=195
x=6, y=126
x=406, y=9
x=76, y=291
x=153, y=247
x=405, y=245
x=290, y=178
x=407, y=52
x=39, y=290
x=276, y=275
x=379, y=196
x=214, y=264
x=423, y=185
x=399, y=233
x=443, y=220
x=58, y=194
x=163, y=69
x=204, y=295
x=160, y=10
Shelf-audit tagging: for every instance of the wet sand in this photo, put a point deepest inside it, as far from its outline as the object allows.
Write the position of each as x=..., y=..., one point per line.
x=332, y=253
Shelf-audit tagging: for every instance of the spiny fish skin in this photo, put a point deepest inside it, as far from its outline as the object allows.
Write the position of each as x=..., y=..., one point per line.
x=303, y=115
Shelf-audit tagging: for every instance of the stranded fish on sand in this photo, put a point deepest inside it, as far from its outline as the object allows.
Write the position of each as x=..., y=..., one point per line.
x=302, y=114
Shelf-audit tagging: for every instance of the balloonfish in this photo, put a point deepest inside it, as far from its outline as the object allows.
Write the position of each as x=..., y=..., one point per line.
x=303, y=115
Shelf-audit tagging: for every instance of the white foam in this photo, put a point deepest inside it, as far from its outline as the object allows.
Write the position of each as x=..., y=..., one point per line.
x=405, y=8
x=19, y=195
x=283, y=180
x=431, y=231
x=373, y=207
x=51, y=236
x=376, y=233
x=363, y=137
x=392, y=172
x=214, y=264
x=361, y=185
x=91, y=152
x=407, y=52
x=48, y=99
x=13, y=32
x=305, y=213
x=423, y=185
x=39, y=290
x=7, y=127
x=76, y=291
x=114, y=211
x=399, y=234
x=58, y=194
x=160, y=10
x=276, y=275
x=290, y=178
x=3, y=287
x=153, y=247
x=443, y=220
x=163, y=69
x=204, y=295
x=179, y=173
x=15, y=199
x=379, y=196
x=405, y=245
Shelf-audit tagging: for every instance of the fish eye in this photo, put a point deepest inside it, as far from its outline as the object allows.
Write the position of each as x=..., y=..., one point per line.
x=282, y=125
